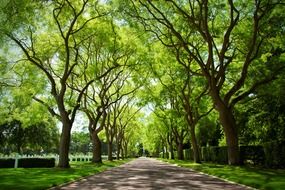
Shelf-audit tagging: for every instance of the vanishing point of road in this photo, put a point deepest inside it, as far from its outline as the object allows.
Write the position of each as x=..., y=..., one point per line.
x=146, y=174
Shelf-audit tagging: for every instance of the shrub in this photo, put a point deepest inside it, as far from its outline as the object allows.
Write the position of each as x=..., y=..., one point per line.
x=223, y=155
x=36, y=163
x=271, y=154
x=205, y=155
x=175, y=154
x=252, y=155
x=7, y=163
x=215, y=154
x=187, y=153
x=275, y=154
x=167, y=155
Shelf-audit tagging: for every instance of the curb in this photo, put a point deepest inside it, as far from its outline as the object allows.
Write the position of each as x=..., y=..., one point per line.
x=67, y=183
x=212, y=176
x=81, y=178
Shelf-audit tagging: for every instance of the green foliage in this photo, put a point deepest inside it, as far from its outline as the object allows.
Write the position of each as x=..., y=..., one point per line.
x=215, y=154
x=274, y=154
x=209, y=131
x=80, y=143
x=252, y=154
x=28, y=140
x=187, y=50
x=188, y=154
x=270, y=154
x=262, y=118
x=151, y=139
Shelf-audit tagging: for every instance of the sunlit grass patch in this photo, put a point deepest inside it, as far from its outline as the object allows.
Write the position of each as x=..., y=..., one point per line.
x=254, y=177
x=43, y=178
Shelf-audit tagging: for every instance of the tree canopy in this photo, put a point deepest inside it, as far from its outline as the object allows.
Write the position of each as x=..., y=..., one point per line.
x=162, y=75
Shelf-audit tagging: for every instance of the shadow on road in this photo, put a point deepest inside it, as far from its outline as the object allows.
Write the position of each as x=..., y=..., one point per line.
x=146, y=173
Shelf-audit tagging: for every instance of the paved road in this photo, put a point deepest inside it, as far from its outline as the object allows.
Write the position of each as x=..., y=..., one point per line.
x=146, y=173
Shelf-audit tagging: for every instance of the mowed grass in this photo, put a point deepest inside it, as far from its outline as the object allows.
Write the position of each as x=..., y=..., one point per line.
x=269, y=179
x=44, y=178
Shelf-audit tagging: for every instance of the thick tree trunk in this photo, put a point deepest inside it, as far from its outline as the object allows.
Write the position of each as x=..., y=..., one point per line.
x=196, y=152
x=64, y=145
x=229, y=126
x=110, y=151
x=230, y=129
x=96, y=142
x=180, y=151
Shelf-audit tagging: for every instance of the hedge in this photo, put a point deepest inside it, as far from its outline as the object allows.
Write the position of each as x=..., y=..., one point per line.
x=28, y=163
x=271, y=154
x=7, y=163
x=36, y=163
x=215, y=154
x=186, y=153
x=275, y=154
x=253, y=155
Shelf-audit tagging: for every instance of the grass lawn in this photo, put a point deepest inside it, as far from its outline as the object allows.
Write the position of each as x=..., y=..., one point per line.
x=43, y=178
x=254, y=177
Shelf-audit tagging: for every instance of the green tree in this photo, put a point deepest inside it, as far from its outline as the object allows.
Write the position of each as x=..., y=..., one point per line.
x=187, y=91
x=125, y=120
x=107, y=59
x=222, y=41
x=261, y=116
x=80, y=143
x=28, y=140
x=25, y=121
x=209, y=131
x=61, y=27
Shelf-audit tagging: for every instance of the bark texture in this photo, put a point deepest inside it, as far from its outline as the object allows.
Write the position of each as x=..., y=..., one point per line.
x=97, y=153
x=64, y=145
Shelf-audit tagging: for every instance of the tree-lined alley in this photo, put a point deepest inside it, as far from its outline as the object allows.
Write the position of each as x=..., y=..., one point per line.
x=151, y=76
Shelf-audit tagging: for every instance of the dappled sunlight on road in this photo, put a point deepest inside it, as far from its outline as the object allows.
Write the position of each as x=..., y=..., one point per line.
x=146, y=173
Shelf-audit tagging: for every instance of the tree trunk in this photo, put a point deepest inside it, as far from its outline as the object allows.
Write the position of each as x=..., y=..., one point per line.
x=96, y=142
x=229, y=126
x=19, y=149
x=118, y=150
x=166, y=151
x=196, y=152
x=110, y=151
x=170, y=144
x=126, y=151
x=171, y=151
x=122, y=153
x=64, y=145
x=163, y=153
x=230, y=129
x=180, y=151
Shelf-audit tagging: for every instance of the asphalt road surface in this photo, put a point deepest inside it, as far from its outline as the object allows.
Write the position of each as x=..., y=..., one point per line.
x=147, y=173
